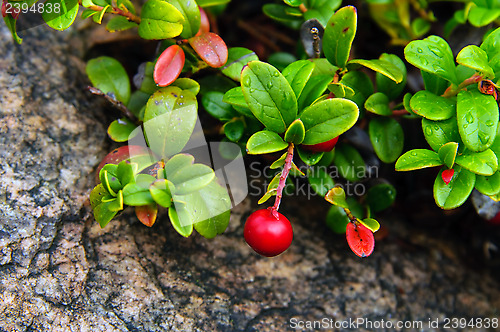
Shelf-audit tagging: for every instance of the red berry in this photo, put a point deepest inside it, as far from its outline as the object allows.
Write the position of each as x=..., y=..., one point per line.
x=267, y=235
x=360, y=239
x=495, y=220
x=447, y=175
x=322, y=147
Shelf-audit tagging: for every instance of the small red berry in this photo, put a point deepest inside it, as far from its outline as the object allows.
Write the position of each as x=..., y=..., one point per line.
x=495, y=220
x=267, y=235
x=360, y=239
x=322, y=147
x=447, y=175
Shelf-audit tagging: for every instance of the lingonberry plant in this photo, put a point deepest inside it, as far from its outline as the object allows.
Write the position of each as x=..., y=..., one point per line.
x=322, y=106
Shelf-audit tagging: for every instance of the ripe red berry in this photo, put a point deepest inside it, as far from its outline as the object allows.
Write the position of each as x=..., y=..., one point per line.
x=360, y=239
x=267, y=235
x=322, y=147
x=495, y=220
x=447, y=175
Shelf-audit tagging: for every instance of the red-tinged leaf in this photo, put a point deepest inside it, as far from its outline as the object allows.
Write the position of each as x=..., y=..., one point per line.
x=123, y=153
x=205, y=23
x=360, y=239
x=169, y=65
x=211, y=48
x=147, y=214
x=4, y=8
x=447, y=175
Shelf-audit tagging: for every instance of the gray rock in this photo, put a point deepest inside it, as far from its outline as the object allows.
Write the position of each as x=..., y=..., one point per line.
x=60, y=271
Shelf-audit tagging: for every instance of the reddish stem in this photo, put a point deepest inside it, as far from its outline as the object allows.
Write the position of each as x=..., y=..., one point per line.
x=450, y=92
x=286, y=170
x=118, y=11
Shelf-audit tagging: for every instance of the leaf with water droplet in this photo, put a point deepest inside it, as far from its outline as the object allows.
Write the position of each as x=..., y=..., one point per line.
x=297, y=74
x=380, y=196
x=432, y=107
x=491, y=45
x=339, y=35
x=383, y=67
x=454, y=194
x=474, y=57
x=122, y=130
x=417, y=159
x=238, y=57
x=360, y=239
x=482, y=163
x=448, y=152
x=265, y=141
x=387, y=138
x=386, y=85
x=378, y=103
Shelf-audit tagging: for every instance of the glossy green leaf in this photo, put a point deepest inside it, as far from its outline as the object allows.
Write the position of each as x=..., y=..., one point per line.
x=125, y=172
x=380, y=197
x=477, y=59
x=119, y=23
x=114, y=204
x=361, y=84
x=488, y=185
x=109, y=180
x=308, y=157
x=136, y=195
x=160, y=20
x=296, y=132
x=109, y=76
x=213, y=103
x=293, y=3
x=383, y=67
x=495, y=147
x=454, y=194
x=336, y=196
x=269, y=96
x=432, y=107
x=341, y=90
x=161, y=192
x=237, y=58
x=434, y=83
x=191, y=14
x=371, y=224
x=102, y=212
x=297, y=74
x=100, y=15
x=378, y=103
x=280, y=13
x=235, y=97
x=349, y=162
x=337, y=220
x=178, y=162
x=477, y=116
x=328, y=119
x=438, y=133
x=191, y=178
x=447, y=153
x=313, y=89
x=185, y=229
x=120, y=130
x=187, y=84
x=267, y=195
x=265, y=141
x=480, y=16
x=434, y=55
x=339, y=35
x=169, y=120
x=323, y=67
x=320, y=181
x=420, y=27
x=386, y=85
x=209, y=3
x=63, y=18
x=482, y=163
x=281, y=60
x=417, y=159
x=490, y=46
x=234, y=130
x=387, y=138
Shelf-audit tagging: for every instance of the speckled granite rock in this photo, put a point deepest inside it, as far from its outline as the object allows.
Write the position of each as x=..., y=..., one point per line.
x=60, y=271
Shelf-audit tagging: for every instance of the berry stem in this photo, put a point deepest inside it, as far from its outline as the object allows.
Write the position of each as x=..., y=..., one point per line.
x=350, y=216
x=117, y=11
x=451, y=91
x=284, y=174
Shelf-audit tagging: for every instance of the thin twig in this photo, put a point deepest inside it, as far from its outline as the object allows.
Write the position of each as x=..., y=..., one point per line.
x=116, y=103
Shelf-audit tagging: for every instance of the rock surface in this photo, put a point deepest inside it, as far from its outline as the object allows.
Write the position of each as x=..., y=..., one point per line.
x=60, y=271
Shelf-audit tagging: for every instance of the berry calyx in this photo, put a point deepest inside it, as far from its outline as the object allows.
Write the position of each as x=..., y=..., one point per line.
x=360, y=239
x=447, y=175
x=322, y=147
x=267, y=235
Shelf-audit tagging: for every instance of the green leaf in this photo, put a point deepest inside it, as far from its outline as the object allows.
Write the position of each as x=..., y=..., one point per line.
x=102, y=212
x=169, y=120
x=115, y=204
x=371, y=224
x=235, y=97
x=482, y=163
x=293, y=3
x=234, y=130
x=176, y=163
x=265, y=141
x=337, y=220
x=387, y=138
x=191, y=14
x=120, y=23
x=418, y=159
x=378, y=103
x=62, y=19
x=89, y=13
x=191, y=178
x=109, y=76
x=328, y=119
x=296, y=132
x=339, y=35
x=160, y=20
x=341, y=90
x=490, y=46
x=267, y=195
x=281, y=60
x=237, y=58
x=447, y=153
x=323, y=67
x=434, y=55
x=438, y=133
x=477, y=119
x=315, y=87
x=309, y=157
x=213, y=103
x=279, y=13
x=97, y=194
x=109, y=180
x=488, y=185
x=269, y=96
x=387, y=85
x=125, y=172
x=187, y=84
x=361, y=84
x=479, y=16
x=320, y=181
x=383, y=67
x=336, y=196
x=380, y=197
x=477, y=59
x=11, y=24
x=420, y=26
x=349, y=162
x=432, y=107
x=137, y=195
x=454, y=194
x=434, y=83
x=161, y=192
x=209, y=3
x=121, y=130
x=297, y=74
x=175, y=218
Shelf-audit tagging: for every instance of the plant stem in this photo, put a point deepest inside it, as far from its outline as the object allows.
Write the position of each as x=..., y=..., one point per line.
x=350, y=216
x=116, y=103
x=450, y=92
x=302, y=8
x=284, y=174
x=117, y=11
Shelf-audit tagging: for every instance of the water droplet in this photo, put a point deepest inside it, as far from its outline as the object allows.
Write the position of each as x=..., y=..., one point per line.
x=484, y=138
x=276, y=74
x=490, y=123
x=437, y=52
x=252, y=90
x=269, y=85
x=424, y=61
x=247, y=81
x=428, y=130
x=469, y=117
x=465, y=126
x=436, y=128
x=414, y=154
x=437, y=68
x=419, y=50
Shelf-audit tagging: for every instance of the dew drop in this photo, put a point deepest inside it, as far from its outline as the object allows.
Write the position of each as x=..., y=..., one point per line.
x=419, y=50
x=465, y=126
x=269, y=85
x=276, y=74
x=252, y=90
x=490, y=123
x=469, y=117
x=247, y=81
x=424, y=61
x=436, y=128
x=414, y=154
x=484, y=138
x=428, y=130
x=437, y=52
x=437, y=68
